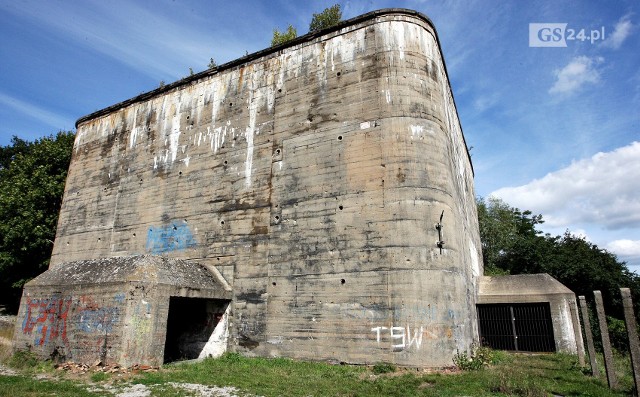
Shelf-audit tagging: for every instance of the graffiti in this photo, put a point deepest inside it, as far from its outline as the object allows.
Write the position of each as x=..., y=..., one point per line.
x=92, y=317
x=119, y=298
x=404, y=338
x=175, y=236
x=100, y=320
x=48, y=318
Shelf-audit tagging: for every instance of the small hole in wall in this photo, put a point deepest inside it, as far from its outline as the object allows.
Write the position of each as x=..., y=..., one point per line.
x=175, y=227
x=341, y=208
x=339, y=137
x=277, y=151
x=230, y=104
x=99, y=239
x=68, y=243
x=338, y=74
x=134, y=234
x=188, y=117
x=277, y=218
x=279, y=89
x=225, y=162
x=342, y=281
x=221, y=222
x=180, y=173
x=273, y=283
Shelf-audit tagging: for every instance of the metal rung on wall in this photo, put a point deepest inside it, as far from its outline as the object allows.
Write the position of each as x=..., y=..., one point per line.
x=517, y=327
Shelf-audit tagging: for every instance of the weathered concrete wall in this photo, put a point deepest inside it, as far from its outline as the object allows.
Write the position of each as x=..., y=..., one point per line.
x=312, y=177
x=536, y=288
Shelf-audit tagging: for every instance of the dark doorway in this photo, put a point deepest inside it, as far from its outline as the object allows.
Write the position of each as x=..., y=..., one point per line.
x=190, y=324
x=517, y=327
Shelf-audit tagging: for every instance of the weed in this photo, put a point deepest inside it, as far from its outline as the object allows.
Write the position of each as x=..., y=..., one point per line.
x=480, y=357
x=24, y=359
x=383, y=368
x=99, y=376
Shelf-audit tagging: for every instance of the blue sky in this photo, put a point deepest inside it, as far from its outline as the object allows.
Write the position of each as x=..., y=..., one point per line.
x=553, y=130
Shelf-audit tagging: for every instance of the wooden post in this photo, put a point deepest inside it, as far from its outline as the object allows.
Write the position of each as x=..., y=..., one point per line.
x=632, y=331
x=606, y=343
x=589, y=336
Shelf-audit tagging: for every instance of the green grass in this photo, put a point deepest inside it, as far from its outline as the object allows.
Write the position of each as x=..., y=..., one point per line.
x=511, y=375
x=6, y=335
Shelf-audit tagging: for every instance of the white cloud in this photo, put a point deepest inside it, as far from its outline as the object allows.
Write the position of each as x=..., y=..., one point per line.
x=621, y=31
x=45, y=116
x=625, y=247
x=601, y=190
x=580, y=71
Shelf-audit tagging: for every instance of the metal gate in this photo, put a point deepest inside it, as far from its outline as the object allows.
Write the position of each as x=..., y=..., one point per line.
x=517, y=327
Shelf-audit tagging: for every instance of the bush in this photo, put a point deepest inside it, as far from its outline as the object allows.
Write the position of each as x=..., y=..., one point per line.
x=480, y=357
x=383, y=368
x=331, y=16
x=283, y=37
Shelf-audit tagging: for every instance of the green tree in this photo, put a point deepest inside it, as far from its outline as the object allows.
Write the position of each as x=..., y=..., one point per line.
x=503, y=231
x=283, y=37
x=31, y=189
x=331, y=16
x=512, y=244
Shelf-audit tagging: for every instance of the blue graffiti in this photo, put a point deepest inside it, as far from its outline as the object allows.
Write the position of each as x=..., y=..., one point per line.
x=98, y=319
x=119, y=298
x=175, y=236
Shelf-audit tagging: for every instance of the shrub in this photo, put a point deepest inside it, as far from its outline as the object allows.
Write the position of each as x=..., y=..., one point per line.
x=480, y=357
x=383, y=368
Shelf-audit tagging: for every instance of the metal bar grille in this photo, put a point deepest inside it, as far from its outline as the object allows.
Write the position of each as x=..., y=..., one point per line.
x=517, y=327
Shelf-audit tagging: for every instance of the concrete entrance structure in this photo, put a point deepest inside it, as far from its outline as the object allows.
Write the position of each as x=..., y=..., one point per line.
x=327, y=181
x=115, y=310
x=538, y=288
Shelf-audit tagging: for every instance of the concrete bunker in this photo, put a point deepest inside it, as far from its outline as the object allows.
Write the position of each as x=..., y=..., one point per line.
x=320, y=178
x=528, y=312
x=116, y=310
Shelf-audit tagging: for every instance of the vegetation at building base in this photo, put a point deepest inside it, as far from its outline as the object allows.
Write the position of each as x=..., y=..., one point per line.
x=32, y=179
x=513, y=375
x=513, y=244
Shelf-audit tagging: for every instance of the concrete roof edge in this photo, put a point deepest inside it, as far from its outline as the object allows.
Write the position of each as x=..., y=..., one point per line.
x=298, y=40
